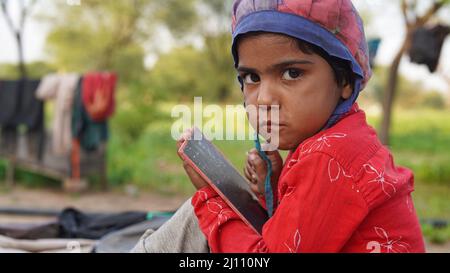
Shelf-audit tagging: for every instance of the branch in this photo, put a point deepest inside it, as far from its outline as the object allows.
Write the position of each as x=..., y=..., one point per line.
x=405, y=13
x=423, y=19
x=25, y=11
x=8, y=17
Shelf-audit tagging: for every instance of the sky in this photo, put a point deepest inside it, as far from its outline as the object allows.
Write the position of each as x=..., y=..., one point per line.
x=385, y=22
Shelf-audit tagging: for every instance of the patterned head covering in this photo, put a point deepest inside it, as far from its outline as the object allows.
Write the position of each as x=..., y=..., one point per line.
x=333, y=25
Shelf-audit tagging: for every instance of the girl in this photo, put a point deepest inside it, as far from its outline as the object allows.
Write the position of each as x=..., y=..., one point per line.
x=338, y=189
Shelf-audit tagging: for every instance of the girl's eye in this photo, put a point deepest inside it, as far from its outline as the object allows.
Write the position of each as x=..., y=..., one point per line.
x=251, y=78
x=291, y=74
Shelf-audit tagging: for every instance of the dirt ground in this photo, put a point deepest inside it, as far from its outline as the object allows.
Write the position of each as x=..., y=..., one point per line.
x=112, y=201
x=108, y=202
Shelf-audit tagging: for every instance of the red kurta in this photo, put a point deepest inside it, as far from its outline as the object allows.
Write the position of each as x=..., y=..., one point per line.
x=338, y=192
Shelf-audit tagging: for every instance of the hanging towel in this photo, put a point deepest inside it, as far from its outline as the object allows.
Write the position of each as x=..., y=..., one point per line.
x=98, y=94
x=60, y=88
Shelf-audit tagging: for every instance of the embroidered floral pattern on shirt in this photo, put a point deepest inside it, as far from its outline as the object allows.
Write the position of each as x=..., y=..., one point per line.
x=289, y=191
x=202, y=197
x=335, y=171
x=314, y=145
x=391, y=245
x=223, y=213
x=293, y=248
x=291, y=163
x=387, y=184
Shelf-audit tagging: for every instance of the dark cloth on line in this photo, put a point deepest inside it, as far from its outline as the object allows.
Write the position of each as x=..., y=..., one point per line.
x=20, y=107
x=30, y=111
x=9, y=98
x=8, y=140
x=427, y=44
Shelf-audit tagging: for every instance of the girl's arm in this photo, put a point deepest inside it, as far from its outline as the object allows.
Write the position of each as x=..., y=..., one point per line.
x=318, y=212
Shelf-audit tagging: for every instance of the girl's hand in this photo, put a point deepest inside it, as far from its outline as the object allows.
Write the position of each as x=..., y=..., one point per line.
x=255, y=170
x=195, y=178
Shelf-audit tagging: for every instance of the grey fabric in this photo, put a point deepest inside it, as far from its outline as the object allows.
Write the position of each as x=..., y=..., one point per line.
x=180, y=234
x=124, y=240
x=10, y=245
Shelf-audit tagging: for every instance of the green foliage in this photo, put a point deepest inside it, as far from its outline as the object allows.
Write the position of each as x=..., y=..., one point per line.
x=410, y=94
x=87, y=41
x=186, y=72
x=436, y=235
x=135, y=110
x=178, y=16
x=109, y=35
x=420, y=142
x=34, y=70
x=434, y=100
x=177, y=74
x=3, y=165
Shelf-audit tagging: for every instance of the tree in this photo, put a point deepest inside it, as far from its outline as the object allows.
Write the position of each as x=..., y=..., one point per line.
x=110, y=35
x=25, y=8
x=413, y=21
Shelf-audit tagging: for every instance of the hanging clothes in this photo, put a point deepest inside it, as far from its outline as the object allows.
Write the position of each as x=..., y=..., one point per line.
x=22, y=109
x=8, y=101
x=31, y=114
x=9, y=98
x=98, y=94
x=89, y=133
x=427, y=45
x=60, y=88
x=373, y=45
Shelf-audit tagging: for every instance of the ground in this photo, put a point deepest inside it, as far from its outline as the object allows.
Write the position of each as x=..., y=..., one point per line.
x=113, y=201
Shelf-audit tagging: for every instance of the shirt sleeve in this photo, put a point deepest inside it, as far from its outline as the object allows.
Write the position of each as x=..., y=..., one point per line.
x=317, y=213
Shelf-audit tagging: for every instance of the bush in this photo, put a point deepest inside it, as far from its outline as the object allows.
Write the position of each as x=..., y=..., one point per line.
x=434, y=100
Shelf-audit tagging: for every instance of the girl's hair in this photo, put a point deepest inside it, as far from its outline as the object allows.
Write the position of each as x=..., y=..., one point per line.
x=342, y=71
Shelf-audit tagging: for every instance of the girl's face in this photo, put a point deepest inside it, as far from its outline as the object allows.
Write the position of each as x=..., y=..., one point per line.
x=303, y=86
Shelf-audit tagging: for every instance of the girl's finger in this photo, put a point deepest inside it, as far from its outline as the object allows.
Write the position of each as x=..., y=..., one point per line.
x=259, y=165
x=248, y=175
x=250, y=167
x=255, y=189
x=251, y=175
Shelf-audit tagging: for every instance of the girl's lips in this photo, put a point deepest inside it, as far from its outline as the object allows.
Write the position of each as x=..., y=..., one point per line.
x=269, y=127
x=271, y=124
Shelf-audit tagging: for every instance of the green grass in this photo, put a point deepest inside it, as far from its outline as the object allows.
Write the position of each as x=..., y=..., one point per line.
x=420, y=140
x=436, y=235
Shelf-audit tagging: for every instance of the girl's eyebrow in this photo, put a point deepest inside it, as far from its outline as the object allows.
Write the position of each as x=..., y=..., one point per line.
x=275, y=66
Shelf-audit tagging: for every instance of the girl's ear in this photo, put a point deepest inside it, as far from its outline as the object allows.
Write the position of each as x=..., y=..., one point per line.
x=347, y=91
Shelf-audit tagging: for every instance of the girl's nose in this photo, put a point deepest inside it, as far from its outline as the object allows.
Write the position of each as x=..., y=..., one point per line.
x=267, y=93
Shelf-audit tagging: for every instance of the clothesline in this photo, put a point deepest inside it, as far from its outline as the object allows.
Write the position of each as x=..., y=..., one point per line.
x=83, y=105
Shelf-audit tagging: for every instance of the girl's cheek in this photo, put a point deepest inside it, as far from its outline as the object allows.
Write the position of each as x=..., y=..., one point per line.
x=250, y=96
